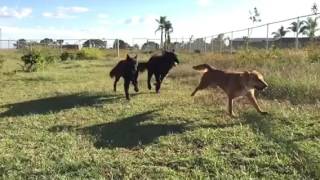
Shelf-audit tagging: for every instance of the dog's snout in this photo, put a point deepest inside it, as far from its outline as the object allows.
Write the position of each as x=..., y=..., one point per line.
x=265, y=85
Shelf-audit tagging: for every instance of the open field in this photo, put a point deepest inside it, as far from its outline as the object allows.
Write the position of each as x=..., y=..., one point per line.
x=66, y=122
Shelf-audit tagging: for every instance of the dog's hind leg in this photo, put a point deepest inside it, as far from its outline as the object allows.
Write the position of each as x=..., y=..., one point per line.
x=230, y=108
x=253, y=101
x=149, y=79
x=115, y=83
x=126, y=88
x=158, y=83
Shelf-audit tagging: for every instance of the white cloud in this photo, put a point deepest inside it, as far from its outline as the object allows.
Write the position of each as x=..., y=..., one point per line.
x=65, y=12
x=7, y=12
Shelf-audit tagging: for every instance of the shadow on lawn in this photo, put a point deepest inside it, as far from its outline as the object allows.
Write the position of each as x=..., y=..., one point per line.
x=134, y=131
x=56, y=104
x=129, y=133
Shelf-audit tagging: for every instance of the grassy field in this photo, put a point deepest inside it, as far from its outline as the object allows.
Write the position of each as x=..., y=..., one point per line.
x=66, y=122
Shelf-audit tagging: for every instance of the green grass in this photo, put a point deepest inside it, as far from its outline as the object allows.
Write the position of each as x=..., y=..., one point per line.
x=67, y=123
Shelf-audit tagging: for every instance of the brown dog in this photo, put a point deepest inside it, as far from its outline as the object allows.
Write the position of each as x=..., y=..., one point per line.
x=235, y=84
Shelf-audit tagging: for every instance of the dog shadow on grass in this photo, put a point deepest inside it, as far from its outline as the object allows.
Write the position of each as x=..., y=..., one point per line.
x=305, y=163
x=136, y=131
x=58, y=103
x=129, y=132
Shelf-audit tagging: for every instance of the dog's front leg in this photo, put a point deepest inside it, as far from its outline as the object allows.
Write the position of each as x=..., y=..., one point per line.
x=126, y=88
x=115, y=84
x=230, y=108
x=195, y=91
x=253, y=101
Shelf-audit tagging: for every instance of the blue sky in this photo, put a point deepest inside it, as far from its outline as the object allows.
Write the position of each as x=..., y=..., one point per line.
x=127, y=19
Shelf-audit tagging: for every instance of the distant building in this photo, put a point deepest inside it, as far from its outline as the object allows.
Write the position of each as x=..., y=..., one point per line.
x=285, y=42
x=71, y=47
x=150, y=46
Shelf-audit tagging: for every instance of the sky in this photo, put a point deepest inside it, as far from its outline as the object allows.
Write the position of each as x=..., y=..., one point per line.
x=129, y=19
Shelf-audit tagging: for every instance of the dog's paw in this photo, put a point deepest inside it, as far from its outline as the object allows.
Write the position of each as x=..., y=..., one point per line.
x=233, y=115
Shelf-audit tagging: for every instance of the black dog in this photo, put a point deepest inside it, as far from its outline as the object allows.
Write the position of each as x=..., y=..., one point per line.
x=128, y=70
x=159, y=65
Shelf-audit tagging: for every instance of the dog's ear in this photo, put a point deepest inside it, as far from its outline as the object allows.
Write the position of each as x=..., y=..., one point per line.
x=135, y=57
x=128, y=57
x=256, y=72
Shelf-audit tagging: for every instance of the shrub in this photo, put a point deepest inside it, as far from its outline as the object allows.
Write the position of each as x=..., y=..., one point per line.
x=64, y=56
x=50, y=59
x=68, y=56
x=34, y=61
x=31, y=61
x=90, y=54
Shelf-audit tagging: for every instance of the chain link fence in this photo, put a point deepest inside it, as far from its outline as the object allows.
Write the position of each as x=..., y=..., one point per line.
x=290, y=33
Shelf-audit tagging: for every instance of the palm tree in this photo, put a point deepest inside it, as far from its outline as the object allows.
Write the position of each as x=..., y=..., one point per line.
x=161, y=26
x=314, y=8
x=167, y=30
x=311, y=27
x=297, y=27
x=279, y=34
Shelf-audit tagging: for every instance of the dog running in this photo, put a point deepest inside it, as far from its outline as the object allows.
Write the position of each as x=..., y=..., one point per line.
x=234, y=84
x=128, y=69
x=159, y=66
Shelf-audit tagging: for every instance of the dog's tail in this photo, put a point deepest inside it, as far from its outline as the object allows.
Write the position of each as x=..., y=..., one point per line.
x=142, y=66
x=203, y=67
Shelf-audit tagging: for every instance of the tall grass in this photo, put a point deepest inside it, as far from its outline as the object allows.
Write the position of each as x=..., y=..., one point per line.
x=293, y=75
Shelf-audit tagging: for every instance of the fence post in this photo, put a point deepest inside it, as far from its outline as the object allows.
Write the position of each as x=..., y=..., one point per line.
x=267, y=46
x=247, y=45
x=118, y=47
x=231, y=42
x=220, y=44
x=205, y=45
x=297, y=33
x=211, y=43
